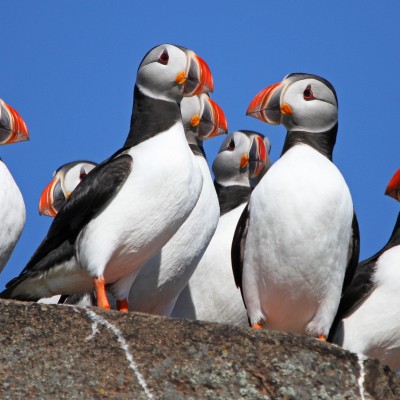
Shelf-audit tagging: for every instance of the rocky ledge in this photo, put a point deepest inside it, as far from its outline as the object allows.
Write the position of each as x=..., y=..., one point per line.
x=65, y=352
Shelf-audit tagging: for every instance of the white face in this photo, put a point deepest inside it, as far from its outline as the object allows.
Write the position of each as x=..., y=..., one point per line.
x=313, y=104
x=157, y=72
x=74, y=176
x=226, y=166
x=190, y=106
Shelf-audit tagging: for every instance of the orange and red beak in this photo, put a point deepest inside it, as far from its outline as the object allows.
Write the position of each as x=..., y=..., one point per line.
x=12, y=126
x=393, y=188
x=198, y=78
x=258, y=157
x=212, y=119
x=265, y=106
x=52, y=198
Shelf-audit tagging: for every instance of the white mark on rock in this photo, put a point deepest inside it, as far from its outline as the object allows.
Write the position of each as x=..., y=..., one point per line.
x=361, y=379
x=98, y=319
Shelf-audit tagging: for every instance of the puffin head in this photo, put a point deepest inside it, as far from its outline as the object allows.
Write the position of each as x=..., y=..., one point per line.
x=243, y=159
x=203, y=117
x=393, y=188
x=301, y=102
x=65, y=180
x=12, y=127
x=171, y=72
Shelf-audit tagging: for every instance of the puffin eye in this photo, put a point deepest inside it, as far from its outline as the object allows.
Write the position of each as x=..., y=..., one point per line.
x=164, y=57
x=308, y=93
x=231, y=145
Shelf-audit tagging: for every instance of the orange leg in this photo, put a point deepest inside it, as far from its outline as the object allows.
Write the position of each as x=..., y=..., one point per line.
x=322, y=338
x=100, y=287
x=256, y=326
x=122, y=305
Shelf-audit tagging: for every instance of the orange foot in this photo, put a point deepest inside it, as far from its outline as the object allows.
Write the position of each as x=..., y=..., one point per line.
x=256, y=326
x=322, y=338
x=122, y=305
x=100, y=287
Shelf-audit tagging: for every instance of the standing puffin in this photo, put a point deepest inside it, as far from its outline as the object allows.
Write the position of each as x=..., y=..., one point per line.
x=368, y=320
x=299, y=232
x=211, y=294
x=128, y=207
x=65, y=179
x=163, y=277
x=12, y=207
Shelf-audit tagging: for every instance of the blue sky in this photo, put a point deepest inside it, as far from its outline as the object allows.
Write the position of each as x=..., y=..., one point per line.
x=69, y=68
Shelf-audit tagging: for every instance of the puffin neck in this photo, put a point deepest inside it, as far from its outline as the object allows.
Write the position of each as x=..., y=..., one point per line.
x=197, y=148
x=230, y=197
x=150, y=117
x=323, y=142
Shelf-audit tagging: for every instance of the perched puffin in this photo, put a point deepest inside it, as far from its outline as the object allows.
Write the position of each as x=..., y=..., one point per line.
x=211, y=293
x=65, y=179
x=129, y=206
x=163, y=277
x=368, y=320
x=12, y=207
x=298, y=235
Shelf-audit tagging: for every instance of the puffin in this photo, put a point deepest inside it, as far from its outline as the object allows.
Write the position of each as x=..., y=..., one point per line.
x=161, y=279
x=368, y=321
x=296, y=244
x=211, y=294
x=129, y=206
x=12, y=207
x=65, y=179
x=164, y=276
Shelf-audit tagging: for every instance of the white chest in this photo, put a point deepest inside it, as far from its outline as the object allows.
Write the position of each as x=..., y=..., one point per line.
x=12, y=214
x=297, y=244
x=157, y=197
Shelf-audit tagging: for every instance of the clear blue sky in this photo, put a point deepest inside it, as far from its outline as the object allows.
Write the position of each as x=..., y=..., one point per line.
x=69, y=68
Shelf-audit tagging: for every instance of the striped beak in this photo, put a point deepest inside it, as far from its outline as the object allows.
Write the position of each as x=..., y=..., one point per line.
x=198, y=78
x=265, y=106
x=212, y=119
x=52, y=198
x=393, y=188
x=258, y=157
x=12, y=127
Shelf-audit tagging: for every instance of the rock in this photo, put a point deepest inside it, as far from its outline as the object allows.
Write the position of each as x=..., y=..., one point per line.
x=64, y=352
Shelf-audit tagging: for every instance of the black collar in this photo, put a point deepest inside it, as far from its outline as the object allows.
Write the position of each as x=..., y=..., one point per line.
x=324, y=142
x=197, y=150
x=150, y=117
x=230, y=197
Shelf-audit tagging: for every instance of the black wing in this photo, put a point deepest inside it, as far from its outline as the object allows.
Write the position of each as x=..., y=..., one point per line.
x=354, y=253
x=89, y=197
x=238, y=244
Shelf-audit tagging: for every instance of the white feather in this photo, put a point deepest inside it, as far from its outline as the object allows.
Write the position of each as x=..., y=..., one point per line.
x=297, y=245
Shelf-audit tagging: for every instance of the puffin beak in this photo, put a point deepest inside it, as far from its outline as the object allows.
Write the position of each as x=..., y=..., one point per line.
x=12, y=127
x=265, y=106
x=52, y=198
x=212, y=120
x=258, y=157
x=393, y=188
x=197, y=77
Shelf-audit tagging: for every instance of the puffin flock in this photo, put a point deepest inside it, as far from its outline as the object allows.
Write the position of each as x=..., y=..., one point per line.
x=273, y=246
